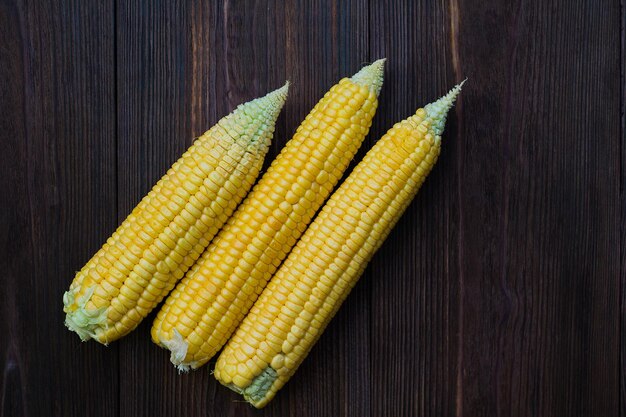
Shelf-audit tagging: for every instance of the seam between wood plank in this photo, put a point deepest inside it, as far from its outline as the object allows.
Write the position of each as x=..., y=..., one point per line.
x=456, y=65
x=622, y=216
x=117, y=169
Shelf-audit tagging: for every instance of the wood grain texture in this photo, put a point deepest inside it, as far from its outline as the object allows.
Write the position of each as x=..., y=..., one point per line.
x=334, y=33
x=57, y=188
x=539, y=212
x=414, y=276
x=497, y=294
x=622, y=58
x=153, y=70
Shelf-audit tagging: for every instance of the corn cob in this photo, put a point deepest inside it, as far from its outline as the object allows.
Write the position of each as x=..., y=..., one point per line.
x=303, y=296
x=165, y=234
x=208, y=304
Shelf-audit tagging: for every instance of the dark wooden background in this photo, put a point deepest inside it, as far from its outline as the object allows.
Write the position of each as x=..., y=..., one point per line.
x=500, y=293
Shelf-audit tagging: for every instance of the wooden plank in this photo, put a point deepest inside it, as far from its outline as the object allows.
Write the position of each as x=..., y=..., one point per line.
x=414, y=276
x=498, y=292
x=153, y=81
x=57, y=193
x=224, y=59
x=255, y=52
x=623, y=214
x=237, y=56
x=538, y=176
x=326, y=41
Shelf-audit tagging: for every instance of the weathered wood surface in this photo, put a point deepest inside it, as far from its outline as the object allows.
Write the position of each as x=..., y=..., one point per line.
x=501, y=291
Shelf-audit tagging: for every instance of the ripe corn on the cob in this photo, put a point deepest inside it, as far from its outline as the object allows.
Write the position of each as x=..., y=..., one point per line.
x=318, y=274
x=165, y=234
x=210, y=302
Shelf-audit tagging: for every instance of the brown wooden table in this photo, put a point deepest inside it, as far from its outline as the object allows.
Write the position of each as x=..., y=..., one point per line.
x=501, y=291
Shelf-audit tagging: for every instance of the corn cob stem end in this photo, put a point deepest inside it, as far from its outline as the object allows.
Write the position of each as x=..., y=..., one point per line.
x=178, y=351
x=256, y=392
x=78, y=318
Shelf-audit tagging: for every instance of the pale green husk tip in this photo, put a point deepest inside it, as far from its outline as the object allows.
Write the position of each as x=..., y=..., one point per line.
x=371, y=76
x=438, y=110
x=252, y=123
x=80, y=320
x=276, y=99
x=268, y=106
